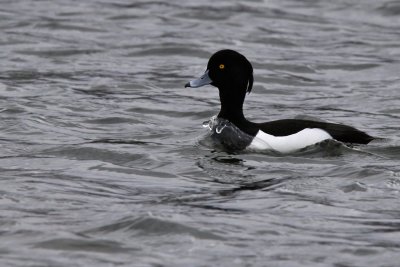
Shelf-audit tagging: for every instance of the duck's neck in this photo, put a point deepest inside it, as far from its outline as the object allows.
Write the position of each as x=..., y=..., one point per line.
x=232, y=114
x=232, y=110
x=231, y=104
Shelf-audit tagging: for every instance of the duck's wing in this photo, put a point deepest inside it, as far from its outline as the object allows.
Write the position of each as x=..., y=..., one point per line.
x=343, y=133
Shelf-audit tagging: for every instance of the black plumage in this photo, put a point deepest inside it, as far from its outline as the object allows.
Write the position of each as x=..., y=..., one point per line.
x=232, y=74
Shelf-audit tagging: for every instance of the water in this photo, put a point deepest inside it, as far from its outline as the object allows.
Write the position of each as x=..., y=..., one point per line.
x=104, y=160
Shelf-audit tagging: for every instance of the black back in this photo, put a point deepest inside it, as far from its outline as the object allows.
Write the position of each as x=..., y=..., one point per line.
x=343, y=133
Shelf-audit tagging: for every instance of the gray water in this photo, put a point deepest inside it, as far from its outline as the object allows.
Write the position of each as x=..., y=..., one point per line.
x=104, y=160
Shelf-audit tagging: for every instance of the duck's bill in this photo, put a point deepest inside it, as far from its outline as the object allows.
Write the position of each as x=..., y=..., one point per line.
x=203, y=80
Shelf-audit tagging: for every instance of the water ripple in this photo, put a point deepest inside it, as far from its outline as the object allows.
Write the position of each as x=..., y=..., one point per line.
x=104, y=160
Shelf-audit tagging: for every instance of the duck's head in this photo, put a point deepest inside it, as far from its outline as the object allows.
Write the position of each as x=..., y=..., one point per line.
x=228, y=70
x=232, y=73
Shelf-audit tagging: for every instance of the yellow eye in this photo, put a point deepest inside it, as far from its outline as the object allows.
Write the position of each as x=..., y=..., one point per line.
x=221, y=66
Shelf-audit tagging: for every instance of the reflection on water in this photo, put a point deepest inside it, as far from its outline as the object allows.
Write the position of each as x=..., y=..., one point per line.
x=104, y=161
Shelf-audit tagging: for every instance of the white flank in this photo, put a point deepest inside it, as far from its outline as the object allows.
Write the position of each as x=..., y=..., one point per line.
x=289, y=143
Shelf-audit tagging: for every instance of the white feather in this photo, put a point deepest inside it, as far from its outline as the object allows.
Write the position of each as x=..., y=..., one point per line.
x=289, y=143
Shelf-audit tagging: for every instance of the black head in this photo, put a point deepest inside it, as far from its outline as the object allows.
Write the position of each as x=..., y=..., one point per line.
x=232, y=73
x=227, y=70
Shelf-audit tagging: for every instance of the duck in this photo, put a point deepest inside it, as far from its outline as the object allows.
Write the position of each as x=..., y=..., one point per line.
x=232, y=73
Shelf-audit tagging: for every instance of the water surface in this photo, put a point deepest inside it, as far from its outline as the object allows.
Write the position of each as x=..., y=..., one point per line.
x=104, y=160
